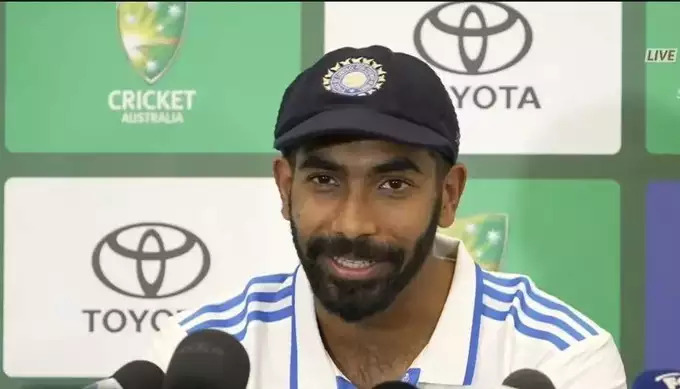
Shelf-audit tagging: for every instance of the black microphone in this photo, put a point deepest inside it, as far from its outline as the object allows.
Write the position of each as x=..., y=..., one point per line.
x=208, y=359
x=394, y=385
x=657, y=379
x=528, y=379
x=133, y=375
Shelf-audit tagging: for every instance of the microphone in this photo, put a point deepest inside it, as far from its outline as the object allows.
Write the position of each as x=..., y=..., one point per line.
x=394, y=385
x=208, y=359
x=528, y=379
x=133, y=375
x=657, y=379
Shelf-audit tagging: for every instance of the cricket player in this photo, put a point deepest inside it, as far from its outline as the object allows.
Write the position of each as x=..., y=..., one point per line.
x=368, y=171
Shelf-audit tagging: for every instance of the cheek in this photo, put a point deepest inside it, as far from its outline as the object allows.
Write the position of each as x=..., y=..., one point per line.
x=405, y=221
x=310, y=214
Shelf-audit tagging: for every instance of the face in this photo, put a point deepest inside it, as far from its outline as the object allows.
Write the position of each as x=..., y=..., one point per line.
x=363, y=217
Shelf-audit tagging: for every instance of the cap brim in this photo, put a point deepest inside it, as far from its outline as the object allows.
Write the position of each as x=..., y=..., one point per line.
x=363, y=122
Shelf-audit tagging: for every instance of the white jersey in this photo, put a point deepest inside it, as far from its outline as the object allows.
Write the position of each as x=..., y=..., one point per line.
x=492, y=324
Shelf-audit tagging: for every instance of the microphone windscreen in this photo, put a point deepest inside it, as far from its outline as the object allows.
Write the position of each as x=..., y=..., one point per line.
x=208, y=359
x=394, y=385
x=528, y=379
x=133, y=375
x=657, y=379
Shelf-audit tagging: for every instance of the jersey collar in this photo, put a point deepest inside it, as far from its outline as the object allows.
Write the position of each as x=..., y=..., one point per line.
x=450, y=356
x=448, y=359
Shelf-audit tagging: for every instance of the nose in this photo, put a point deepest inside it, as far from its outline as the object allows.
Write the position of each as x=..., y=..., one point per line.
x=354, y=218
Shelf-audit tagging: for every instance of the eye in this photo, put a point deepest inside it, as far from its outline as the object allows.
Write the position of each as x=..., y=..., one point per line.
x=322, y=180
x=395, y=185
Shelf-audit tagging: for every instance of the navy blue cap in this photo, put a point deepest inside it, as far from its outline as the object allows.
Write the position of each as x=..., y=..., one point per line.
x=369, y=92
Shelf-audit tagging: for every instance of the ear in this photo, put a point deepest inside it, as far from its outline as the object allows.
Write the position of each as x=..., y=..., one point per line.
x=452, y=191
x=283, y=175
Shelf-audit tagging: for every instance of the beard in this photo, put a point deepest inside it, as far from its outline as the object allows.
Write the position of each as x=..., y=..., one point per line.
x=354, y=300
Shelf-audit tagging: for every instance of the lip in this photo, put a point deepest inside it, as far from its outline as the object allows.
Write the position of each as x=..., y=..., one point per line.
x=372, y=271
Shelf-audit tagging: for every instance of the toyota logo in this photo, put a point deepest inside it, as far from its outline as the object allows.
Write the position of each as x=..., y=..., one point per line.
x=508, y=30
x=151, y=260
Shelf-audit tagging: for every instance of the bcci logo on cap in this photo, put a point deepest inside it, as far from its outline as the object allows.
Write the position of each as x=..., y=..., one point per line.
x=355, y=77
x=151, y=34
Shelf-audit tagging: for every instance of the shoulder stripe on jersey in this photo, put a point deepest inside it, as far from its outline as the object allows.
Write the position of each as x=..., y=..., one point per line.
x=265, y=317
x=256, y=315
x=523, y=328
x=261, y=316
x=225, y=306
x=261, y=297
x=538, y=316
x=513, y=282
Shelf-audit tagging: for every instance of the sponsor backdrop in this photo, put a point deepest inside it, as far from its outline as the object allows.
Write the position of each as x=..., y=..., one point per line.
x=137, y=160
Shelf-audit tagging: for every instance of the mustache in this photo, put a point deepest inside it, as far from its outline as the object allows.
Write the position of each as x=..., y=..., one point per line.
x=361, y=247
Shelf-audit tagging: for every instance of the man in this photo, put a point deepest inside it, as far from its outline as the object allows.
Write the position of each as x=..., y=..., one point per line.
x=369, y=171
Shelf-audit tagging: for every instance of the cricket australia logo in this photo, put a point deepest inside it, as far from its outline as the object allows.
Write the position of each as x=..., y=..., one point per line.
x=485, y=235
x=151, y=34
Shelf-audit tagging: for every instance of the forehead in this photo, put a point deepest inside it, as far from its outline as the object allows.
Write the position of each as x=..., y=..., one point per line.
x=365, y=152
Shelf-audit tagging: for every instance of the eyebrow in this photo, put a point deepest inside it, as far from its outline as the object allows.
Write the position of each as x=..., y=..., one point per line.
x=314, y=161
x=397, y=164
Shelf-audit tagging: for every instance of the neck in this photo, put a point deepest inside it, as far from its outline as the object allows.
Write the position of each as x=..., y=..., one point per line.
x=412, y=316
